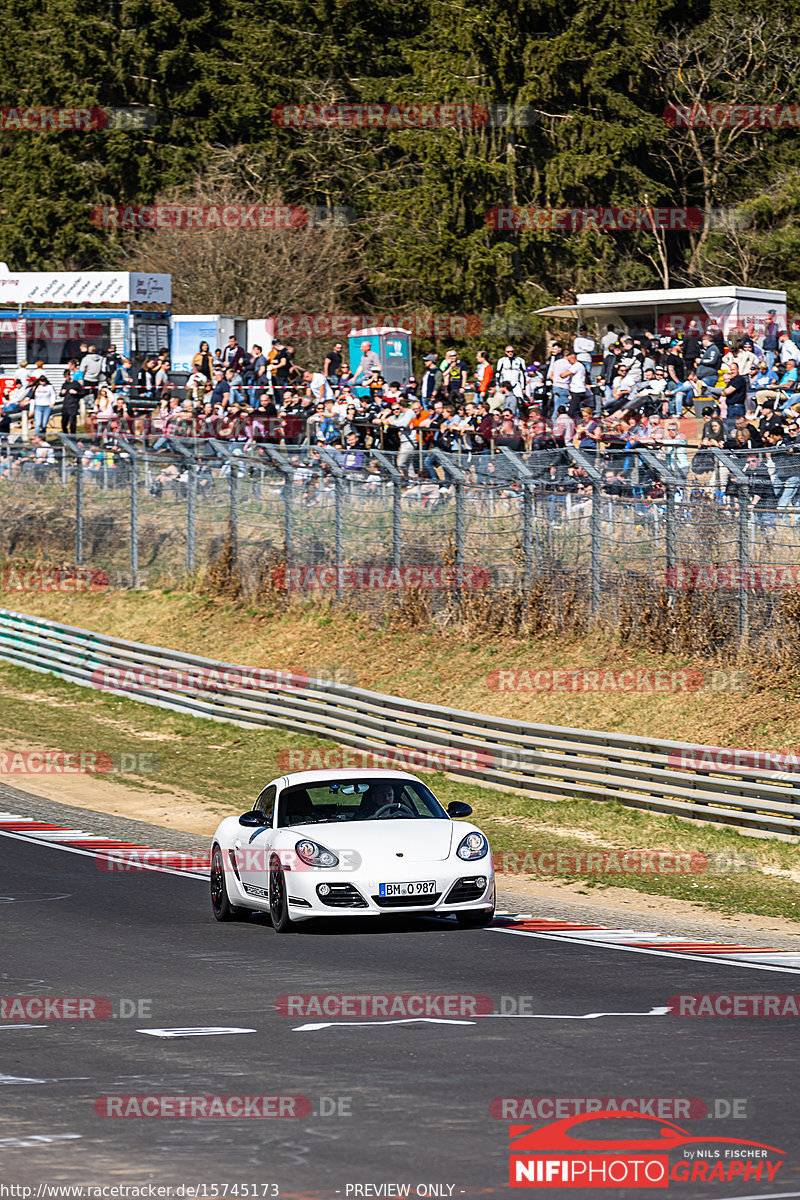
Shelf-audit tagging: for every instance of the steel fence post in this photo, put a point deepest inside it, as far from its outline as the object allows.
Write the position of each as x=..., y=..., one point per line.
x=669, y=536
x=78, y=509
x=339, y=532
x=397, y=523
x=134, y=549
x=743, y=493
x=527, y=533
x=288, y=517
x=191, y=517
x=233, y=515
x=595, y=549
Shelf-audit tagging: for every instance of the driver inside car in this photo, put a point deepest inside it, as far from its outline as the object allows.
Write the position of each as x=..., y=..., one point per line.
x=380, y=794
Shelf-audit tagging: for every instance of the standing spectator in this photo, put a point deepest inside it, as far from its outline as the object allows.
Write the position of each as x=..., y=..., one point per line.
x=556, y=375
x=282, y=370
x=709, y=362
x=583, y=346
x=770, y=344
x=203, y=361
x=70, y=393
x=691, y=346
x=511, y=369
x=44, y=397
x=789, y=352
x=484, y=372
x=233, y=354
x=369, y=366
x=318, y=385
x=563, y=426
x=795, y=331
x=609, y=371
x=332, y=367
x=632, y=358
x=609, y=339
x=432, y=380
x=454, y=376
x=576, y=374
x=92, y=367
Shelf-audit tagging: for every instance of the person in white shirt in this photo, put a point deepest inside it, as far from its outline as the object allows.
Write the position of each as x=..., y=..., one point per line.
x=576, y=374
x=511, y=369
x=609, y=339
x=789, y=352
x=584, y=348
x=318, y=385
x=44, y=397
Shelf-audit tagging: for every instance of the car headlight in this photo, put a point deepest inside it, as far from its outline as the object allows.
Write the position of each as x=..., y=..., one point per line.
x=314, y=855
x=474, y=845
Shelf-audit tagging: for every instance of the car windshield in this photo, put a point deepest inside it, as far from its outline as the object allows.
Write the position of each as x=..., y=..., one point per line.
x=358, y=800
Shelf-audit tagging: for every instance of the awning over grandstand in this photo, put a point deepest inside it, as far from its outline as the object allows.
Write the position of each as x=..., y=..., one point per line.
x=730, y=306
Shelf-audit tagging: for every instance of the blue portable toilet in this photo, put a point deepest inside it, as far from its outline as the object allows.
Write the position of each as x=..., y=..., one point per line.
x=393, y=347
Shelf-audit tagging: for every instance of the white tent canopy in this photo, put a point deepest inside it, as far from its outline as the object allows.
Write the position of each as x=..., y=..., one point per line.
x=730, y=307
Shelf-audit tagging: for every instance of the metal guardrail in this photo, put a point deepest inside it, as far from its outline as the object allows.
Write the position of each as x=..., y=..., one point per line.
x=537, y=760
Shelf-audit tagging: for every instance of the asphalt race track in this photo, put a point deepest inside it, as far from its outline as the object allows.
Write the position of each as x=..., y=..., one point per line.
x=409, y=1102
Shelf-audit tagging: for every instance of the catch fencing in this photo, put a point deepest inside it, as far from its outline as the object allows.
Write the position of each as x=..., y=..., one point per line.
x=531, y=759
x=603, y=530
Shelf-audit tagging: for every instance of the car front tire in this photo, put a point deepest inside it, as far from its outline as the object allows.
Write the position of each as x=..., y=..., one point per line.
x=278, y=901
x=221, y=906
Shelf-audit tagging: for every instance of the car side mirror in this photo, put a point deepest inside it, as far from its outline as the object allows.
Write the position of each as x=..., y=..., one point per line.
x=253, y=820
x=458, y=809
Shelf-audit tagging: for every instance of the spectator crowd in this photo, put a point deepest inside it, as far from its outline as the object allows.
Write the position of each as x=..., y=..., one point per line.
x=629, y=391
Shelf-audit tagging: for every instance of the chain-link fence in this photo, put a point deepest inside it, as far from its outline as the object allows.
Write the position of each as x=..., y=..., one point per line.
x=613, y=530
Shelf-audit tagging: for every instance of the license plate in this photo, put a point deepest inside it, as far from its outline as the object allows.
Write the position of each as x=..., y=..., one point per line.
x=407, y=889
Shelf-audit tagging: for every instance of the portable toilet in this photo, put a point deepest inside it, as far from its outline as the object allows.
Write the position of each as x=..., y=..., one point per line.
x=393, y=347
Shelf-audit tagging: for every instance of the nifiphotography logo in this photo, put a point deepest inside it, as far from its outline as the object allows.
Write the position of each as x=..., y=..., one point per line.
x=584, y=1151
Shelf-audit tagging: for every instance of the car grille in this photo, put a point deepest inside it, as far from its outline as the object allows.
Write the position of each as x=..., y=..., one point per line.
x=407, y=901
x=343, y=895
x=465, y=890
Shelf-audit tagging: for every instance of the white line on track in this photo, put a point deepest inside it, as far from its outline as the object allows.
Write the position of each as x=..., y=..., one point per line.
x=675, y=955
x=140, y=866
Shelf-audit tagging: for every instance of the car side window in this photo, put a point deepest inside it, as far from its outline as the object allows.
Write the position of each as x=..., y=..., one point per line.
x=266, y=801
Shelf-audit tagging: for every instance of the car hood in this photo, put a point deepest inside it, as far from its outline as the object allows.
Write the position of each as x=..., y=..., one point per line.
x=421, y=840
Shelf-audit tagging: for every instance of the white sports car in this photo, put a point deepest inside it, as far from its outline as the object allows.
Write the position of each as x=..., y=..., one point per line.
x=350, y=843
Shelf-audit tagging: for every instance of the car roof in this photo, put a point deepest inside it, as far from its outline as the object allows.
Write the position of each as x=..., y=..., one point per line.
x=299, y=777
